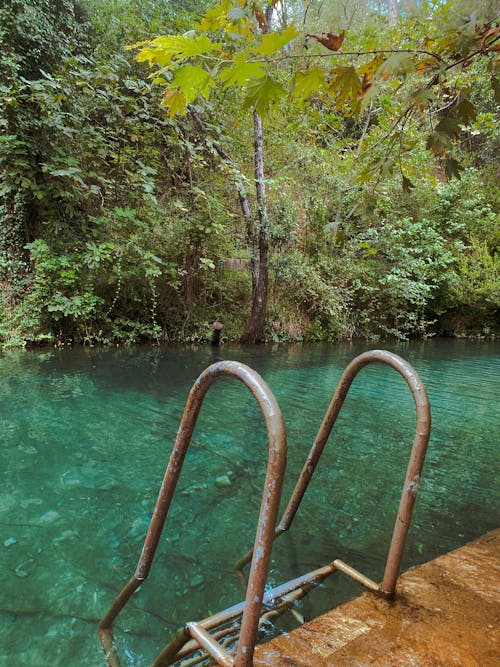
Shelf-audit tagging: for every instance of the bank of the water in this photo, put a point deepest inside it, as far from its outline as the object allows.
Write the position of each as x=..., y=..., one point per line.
x=86, y=435
x=444, y=613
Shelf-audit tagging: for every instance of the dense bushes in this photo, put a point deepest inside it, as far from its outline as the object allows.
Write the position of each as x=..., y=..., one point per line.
x=116, y=221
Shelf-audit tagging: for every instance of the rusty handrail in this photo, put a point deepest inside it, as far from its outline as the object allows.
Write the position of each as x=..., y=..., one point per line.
x=413, y=473
x=265, y=529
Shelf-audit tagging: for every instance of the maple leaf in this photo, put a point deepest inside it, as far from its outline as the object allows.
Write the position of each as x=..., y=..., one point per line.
x=465, y=111
x=490, y=36
x=175, y=101
x=263, y=93
x=424, y=66
x=452, y=168
x=396, y=63
x=367, y=70
x=162, y=50
x=192, y=81
x=274, y=41
x=436, y=144
x=214, y=18
x=346, y=84
x=307, y=83
x=241, y=72
x=330, y=40
x=448, y=126
x=421, y=96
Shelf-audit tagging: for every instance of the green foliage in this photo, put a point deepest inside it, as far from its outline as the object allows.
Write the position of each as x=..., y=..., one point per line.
x=474, y=294
x=118, y=219
x=36, y=35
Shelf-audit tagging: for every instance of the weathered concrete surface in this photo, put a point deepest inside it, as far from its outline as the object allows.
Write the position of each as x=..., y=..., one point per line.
x=446, y=614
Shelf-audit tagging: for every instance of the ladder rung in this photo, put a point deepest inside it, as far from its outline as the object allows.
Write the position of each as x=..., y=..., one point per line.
x=211, y=646
x=356, y=575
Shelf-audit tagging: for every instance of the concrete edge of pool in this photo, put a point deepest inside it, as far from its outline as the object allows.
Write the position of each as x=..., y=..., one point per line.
x=445, y=614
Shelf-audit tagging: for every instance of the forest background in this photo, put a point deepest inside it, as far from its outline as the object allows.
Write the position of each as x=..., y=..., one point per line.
x=297, y=170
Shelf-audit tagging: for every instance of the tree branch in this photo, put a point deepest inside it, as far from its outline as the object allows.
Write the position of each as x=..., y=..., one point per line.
x=225, y=157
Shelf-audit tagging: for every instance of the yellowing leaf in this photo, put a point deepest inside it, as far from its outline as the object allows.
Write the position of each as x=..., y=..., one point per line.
x=307, y=83
x=164, y=49
x=367, y=70
x=263, y=93
x=215, y=18
x=241, y=72
x=274, y=41
x=193, y=81
x=175, y=101
x=422, y=96
x=154, y=57
x=368, y=95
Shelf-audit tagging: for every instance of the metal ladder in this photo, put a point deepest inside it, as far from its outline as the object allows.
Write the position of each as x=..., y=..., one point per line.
x=241, y=622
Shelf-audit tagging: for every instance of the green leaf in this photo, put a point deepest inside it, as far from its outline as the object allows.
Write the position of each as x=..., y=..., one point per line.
x=164, y=49
x=274, y=41
x=263, y=93
x=70, y=171
x=448, y=126
x=465, y=111
x=445, y=131
x=437, y=143
x=346, y=84
x=396, y=63
x=307, y=83
x=241, y=72
x=387, y=167
x=422, y=95
x=193, y=81
x=452, y=168
x=215, y=18
x=175, y=101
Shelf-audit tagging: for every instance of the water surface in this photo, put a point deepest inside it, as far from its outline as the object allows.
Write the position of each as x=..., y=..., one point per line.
x=86, y=435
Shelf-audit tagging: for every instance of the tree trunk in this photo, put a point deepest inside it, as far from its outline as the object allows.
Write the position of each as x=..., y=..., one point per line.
x=254, y=328
x=393, y=12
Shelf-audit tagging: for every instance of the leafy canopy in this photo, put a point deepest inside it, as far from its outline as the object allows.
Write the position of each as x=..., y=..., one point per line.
x=232, y=46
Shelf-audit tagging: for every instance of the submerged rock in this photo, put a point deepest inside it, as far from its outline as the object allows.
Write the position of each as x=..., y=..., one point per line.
x=197, y=580
x=23, y=569
x=222, y=481
x=49, y=517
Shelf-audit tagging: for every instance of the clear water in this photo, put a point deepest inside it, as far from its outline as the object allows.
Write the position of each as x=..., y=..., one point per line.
x=85, y=437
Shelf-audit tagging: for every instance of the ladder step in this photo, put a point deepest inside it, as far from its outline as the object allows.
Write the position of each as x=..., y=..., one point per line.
x=211, y=646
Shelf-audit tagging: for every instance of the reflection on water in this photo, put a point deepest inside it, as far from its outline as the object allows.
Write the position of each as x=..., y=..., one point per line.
x=86, y=435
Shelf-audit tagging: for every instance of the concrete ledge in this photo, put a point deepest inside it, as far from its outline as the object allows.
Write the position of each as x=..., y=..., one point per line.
x=446, y=614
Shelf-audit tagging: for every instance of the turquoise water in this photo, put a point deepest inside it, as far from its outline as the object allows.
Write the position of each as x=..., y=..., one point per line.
x=86, y=435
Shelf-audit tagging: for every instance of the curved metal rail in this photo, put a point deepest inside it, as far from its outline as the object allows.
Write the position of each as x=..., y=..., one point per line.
x=265, y=529
x=413, y=473
x=258, y=608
